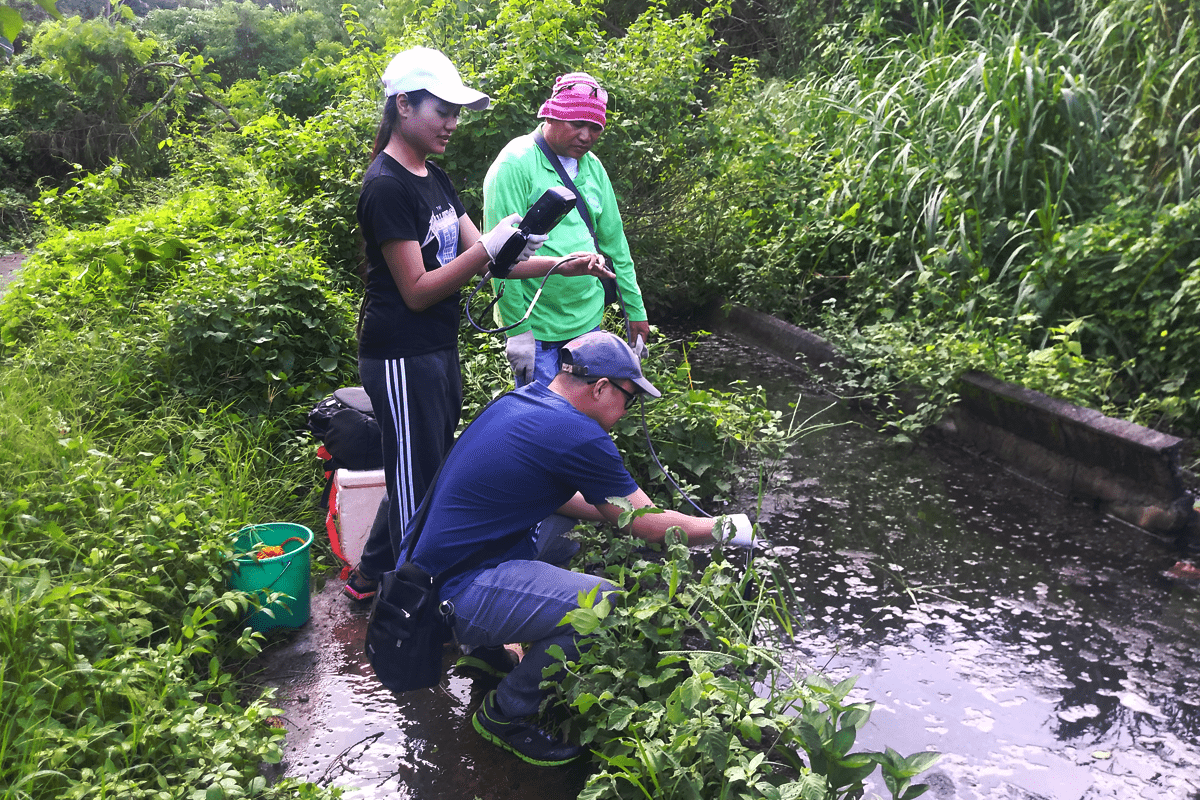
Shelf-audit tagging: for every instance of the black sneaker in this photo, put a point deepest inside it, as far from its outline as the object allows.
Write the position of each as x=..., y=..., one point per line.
x=490, y=662
x=521, y=738
x=360, y=587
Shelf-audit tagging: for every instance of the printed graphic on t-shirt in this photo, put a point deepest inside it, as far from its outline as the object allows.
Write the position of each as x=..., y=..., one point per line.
x=443, y=225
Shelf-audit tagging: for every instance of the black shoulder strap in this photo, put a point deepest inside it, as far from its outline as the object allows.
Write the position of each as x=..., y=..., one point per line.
x=555, y=162
x=612, y=291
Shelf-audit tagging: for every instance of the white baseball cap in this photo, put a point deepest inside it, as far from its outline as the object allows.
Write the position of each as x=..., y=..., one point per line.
x=428, y=69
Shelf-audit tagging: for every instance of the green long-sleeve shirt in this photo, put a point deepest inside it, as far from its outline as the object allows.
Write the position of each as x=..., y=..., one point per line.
x=568, y=307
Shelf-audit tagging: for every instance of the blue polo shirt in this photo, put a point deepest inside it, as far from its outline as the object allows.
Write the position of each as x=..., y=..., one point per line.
x=526, y=455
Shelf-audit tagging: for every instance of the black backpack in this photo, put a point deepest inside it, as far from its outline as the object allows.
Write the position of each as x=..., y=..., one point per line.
x=345, y=425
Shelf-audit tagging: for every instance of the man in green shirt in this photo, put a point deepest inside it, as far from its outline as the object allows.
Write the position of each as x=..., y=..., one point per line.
x=572, y=120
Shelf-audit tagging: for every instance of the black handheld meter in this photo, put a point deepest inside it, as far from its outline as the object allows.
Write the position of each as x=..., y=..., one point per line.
x=541, y=218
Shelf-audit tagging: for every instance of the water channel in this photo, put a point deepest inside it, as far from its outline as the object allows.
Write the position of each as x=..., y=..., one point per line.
x=1038, y=645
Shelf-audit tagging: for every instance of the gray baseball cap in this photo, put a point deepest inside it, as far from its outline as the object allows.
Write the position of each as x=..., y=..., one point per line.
x=600, y=354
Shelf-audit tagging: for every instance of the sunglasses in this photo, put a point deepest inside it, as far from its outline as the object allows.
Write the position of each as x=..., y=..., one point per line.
x=584, y=88
x=630, y=397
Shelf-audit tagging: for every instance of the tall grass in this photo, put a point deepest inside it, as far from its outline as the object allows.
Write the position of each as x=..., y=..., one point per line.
x=118, y=632
x=1146, y=55
x=986, y=170
x=971, y=139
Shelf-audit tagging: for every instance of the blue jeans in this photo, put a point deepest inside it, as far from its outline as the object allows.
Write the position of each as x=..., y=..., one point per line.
x=525, y=601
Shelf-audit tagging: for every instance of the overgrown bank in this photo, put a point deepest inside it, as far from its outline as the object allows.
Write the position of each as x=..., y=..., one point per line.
x=1009, y=189
x=1001, y=187
x=995, y=186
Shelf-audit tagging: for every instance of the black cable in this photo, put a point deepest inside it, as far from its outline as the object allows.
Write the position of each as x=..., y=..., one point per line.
x=500, y=292
x=654, y=453
x=642, y=408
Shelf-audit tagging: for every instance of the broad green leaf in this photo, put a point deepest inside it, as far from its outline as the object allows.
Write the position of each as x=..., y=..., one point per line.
x=856, y=716
x=618, y=719
x=583, y=620
x=750, y=730
x=10, y=25
x=917, y=763
x=584, y=702
x=50, y=7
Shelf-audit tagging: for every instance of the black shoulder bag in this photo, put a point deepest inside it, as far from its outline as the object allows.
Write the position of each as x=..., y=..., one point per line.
x=407, y=627
x=611, y=293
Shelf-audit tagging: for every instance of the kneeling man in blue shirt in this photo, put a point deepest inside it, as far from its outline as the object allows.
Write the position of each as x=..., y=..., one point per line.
x=536, y=460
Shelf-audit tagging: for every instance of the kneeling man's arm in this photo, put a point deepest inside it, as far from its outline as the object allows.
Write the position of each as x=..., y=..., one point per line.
x=651, y=527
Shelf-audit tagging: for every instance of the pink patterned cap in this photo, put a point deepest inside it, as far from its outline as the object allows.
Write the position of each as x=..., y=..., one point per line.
x=576, y=97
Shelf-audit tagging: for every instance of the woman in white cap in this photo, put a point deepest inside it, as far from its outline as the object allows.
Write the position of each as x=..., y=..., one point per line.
x=421, y=247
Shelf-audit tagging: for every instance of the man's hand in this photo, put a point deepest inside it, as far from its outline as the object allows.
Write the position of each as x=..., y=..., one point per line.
x=735, y=530
x=519, y=351
x=639, y=328
x=584, y=263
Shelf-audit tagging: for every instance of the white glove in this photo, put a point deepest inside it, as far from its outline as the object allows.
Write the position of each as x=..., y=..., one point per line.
x=495, y=239
x=532, y=243
x=735, y=530
x=519, y=351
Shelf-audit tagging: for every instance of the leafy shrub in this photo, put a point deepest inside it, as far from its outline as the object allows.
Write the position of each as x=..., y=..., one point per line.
x=253, y=324
x=119, y=633
x=1131, y=275
x=698, y=432
x=665, y=694
x=106, y=94
x=14, y=220
x=245, y=40
x=981, y=165
x=90, y=200
x=306, y=89
x=219, y=309
x=30, y=100
x=317, y=166
x=899, y=364
x=73, y=276
x=96, y=58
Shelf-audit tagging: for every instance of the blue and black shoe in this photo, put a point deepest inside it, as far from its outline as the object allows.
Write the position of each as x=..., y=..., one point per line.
x=520, y=737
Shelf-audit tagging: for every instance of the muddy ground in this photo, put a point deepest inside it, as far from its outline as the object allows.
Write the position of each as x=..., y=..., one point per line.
x=344, y=729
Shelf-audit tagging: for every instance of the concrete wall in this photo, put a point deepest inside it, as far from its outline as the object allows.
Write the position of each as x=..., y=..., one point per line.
x=1126, y=470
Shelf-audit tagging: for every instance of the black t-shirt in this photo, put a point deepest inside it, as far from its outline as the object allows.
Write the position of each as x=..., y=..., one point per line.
x=396, y=204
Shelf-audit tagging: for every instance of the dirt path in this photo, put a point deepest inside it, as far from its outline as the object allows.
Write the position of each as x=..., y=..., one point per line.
x=8, y=268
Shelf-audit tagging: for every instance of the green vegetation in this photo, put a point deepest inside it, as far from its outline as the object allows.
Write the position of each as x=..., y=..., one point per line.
x=1008, y=187
x=116, y=625
x=936, y=187
x=685, y=692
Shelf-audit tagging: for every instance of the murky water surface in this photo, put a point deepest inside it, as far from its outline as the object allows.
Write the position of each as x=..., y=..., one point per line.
x=1034, y=643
